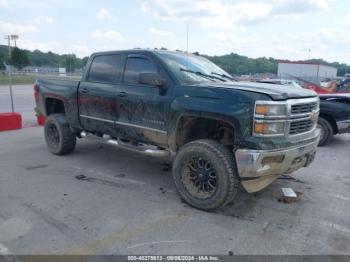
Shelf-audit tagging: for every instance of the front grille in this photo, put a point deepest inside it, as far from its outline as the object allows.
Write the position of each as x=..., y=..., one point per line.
x=304, y=108
x=301, y=126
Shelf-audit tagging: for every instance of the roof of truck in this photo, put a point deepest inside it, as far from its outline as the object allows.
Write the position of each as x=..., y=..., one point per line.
x=142, y=50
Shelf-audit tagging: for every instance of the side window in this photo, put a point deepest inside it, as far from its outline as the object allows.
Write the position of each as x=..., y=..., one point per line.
x=135, y=66
x=105, y=69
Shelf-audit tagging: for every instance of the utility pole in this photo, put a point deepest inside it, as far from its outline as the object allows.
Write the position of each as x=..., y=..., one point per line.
x=9, y=72
x=8, y=37
x=187, y=27
x=15, y=37
x=70, y=63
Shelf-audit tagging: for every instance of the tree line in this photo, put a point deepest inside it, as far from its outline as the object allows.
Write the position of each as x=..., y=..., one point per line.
x=242, y=65
x=21, y=58
x=232, y=63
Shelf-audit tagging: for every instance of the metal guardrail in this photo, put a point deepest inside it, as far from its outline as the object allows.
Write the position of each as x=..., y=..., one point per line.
x=41, y=74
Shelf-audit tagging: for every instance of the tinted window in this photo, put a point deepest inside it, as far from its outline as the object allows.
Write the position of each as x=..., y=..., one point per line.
x=105, y=69
x=135, y=66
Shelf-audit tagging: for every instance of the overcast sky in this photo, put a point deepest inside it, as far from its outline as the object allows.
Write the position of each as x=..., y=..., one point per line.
x=275, y=28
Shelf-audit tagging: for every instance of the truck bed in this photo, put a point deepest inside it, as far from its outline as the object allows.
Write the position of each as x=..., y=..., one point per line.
x=65, y=89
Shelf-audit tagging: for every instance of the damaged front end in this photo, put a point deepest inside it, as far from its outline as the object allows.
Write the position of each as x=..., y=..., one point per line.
x=293, y=121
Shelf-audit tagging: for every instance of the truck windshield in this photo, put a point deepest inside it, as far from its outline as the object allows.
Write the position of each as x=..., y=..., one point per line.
x=191, y=69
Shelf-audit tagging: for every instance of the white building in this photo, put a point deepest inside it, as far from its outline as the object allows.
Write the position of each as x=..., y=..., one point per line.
x=306, y=71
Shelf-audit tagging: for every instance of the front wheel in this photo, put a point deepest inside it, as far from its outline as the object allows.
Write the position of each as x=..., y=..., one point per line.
x=205, y=174
x=59, y=138
x=326, y=131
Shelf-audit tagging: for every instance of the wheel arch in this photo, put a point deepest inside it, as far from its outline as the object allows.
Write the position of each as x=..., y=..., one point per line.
x=54, y=105
x=331, y=120
x=190, y=127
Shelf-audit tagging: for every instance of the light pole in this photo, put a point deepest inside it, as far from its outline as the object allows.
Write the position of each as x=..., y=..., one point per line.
x=9, y=37
x=14, y=38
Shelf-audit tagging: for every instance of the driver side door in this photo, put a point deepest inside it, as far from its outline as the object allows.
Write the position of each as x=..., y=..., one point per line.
x=141, y=115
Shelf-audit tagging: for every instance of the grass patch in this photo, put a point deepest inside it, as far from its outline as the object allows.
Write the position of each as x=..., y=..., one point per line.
x=17, y=79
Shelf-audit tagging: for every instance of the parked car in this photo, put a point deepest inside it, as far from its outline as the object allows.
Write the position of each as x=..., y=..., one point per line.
x=217, y=133
x=334, y=116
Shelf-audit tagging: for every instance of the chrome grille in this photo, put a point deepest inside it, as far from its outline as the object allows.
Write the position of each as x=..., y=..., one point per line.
x=303, y=108
x=301, y=126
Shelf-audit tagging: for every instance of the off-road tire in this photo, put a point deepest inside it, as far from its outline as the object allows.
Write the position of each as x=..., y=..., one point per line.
x=58, y=135
x=326, y=131
x=224, y=163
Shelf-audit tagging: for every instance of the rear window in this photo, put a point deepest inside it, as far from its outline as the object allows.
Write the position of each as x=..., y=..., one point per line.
x=105, y=69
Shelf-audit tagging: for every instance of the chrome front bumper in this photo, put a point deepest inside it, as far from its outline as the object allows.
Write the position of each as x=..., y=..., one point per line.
x=259, y=168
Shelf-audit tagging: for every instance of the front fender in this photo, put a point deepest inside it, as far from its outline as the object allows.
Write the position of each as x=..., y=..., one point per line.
x=236, y=113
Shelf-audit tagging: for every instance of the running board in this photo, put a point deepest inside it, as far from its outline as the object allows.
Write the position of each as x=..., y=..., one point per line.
x=141, y=148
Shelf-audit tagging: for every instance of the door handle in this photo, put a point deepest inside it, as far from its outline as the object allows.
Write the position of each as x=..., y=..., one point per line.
x=122, y=94
x=84, y=90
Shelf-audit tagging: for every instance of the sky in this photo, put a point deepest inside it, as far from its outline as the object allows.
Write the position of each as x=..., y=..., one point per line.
x=283, y=29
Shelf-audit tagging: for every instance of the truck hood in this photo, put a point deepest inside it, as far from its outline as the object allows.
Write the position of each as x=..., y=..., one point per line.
x=276, y=92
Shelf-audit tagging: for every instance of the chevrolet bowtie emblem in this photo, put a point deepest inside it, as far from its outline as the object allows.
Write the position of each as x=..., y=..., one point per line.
x=314, y=116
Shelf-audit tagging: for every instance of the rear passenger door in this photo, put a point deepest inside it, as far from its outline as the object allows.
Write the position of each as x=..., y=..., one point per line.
x=96, y=98
x=142, y=107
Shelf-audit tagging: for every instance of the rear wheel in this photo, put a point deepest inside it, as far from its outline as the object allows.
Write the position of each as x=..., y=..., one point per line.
x=205, y=174
x=59, y=138
x=326, y=131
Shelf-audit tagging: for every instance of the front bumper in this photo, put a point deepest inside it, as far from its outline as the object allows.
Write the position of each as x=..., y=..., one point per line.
x=259, y=168
x=343, y=126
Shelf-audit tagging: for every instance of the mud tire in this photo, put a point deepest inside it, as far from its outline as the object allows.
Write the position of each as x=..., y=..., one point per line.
x=58, y=135
x=224, y=164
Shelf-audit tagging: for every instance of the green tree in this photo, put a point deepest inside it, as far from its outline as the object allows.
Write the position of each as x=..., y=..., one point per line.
x=2, y=60
x=70, y=62
x=19, y=58
x=237, y=65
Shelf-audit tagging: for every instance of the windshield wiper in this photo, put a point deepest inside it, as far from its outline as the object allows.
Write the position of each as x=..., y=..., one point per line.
x=225, y=76
x=198, y=73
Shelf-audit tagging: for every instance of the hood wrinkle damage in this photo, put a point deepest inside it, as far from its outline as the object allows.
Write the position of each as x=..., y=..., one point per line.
x=276, y=92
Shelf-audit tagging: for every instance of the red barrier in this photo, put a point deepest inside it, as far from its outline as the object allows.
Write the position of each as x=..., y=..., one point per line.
x=10, y=121
x=319, y=90
x=41, y=120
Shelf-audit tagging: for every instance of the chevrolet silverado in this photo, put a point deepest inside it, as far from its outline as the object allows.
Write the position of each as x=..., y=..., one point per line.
x=217, y=132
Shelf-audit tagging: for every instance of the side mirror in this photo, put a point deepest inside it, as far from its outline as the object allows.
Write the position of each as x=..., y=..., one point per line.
x=152, y=79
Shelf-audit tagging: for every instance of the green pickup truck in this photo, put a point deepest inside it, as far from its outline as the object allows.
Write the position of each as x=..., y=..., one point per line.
x=217, y=132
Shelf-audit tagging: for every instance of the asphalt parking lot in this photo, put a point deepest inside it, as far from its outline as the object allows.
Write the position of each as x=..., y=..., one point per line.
x=127, y=204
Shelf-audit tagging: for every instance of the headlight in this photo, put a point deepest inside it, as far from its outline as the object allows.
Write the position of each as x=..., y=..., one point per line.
x=266, y=128
x=269, y=118
x=271, y=109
